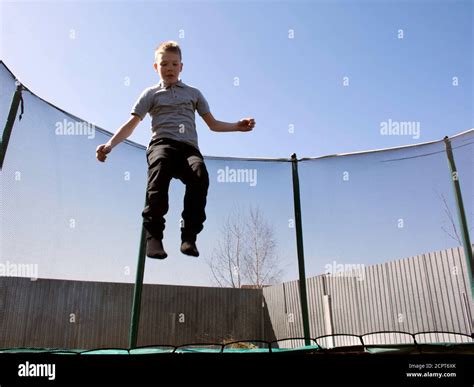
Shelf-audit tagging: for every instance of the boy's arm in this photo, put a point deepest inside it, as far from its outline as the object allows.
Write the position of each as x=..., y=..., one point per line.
x=244, y=125
x=125, y=131
x=121, y=134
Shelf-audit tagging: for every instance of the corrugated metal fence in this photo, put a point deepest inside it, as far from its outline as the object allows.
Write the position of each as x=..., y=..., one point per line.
x=73, y=314
x=428, y=292
x=422, y=293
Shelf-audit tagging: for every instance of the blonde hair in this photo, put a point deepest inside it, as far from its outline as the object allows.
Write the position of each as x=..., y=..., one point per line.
x=168, y=46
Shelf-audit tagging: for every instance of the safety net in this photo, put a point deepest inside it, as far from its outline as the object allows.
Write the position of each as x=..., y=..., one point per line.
x=376, y=236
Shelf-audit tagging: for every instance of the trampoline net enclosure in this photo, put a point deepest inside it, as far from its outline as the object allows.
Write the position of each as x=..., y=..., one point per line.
x=381, y=237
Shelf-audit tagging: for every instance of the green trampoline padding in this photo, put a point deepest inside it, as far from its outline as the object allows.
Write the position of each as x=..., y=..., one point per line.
x=463, y=348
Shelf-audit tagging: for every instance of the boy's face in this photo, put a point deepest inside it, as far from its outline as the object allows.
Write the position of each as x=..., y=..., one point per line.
x=168, y=65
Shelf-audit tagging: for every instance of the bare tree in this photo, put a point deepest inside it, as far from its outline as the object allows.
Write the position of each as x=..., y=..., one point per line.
x=453, y=233
x=246, y=251
x=226, y=258
x=260, y=260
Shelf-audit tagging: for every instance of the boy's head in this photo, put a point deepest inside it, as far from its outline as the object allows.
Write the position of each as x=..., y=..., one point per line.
x=168, y=62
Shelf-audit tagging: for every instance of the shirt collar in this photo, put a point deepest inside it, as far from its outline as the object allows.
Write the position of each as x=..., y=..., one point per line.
x=179, y=83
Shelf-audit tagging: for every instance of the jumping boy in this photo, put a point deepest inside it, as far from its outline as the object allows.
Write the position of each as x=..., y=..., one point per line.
x=173, y=151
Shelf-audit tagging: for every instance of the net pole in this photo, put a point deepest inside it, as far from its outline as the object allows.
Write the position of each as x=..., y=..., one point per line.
x=300, y=250
x=10, y=121
x=137, y=292
x=466, y=242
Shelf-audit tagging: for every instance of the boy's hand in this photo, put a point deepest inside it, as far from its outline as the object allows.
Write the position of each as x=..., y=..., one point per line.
x=101, y=152
x=246, y=125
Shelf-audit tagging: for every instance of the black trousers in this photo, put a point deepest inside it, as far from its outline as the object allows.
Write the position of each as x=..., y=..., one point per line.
x=169, y=159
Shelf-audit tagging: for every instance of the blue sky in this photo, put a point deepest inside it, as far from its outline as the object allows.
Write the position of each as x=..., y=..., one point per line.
x=282, y=81
x=93, y=59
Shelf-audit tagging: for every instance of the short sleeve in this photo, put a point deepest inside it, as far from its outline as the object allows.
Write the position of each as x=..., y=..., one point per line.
x=143, y=104
x=202, y=106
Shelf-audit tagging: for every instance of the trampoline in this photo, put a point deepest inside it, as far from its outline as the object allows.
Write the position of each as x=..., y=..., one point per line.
x=375, y=254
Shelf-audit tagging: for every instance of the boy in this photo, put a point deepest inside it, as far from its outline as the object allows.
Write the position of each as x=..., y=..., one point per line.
x=173, y=151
